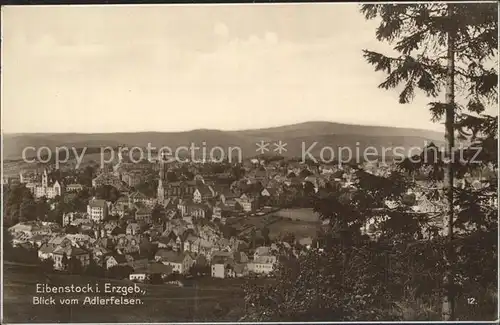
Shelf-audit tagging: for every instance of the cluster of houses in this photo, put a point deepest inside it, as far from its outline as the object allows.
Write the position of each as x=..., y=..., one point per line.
x=174, y=247
x=180, y=228
x=127, y=232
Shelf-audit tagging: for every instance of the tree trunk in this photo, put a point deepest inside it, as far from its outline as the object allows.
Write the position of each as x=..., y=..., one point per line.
x=448, y=307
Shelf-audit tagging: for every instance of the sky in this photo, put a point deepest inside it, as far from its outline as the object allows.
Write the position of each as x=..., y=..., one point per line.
x=175, y=68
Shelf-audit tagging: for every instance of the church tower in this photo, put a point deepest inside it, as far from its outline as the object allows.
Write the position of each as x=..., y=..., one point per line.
x=161, y=190
x=45, y=179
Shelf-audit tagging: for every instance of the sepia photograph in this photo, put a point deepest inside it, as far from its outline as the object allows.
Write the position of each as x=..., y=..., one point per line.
x=286, y=162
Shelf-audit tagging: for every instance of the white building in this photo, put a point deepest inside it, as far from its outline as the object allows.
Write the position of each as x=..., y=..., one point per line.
x=139, y=276
x=180, y=262
x=263, y=261
x=97, y=210
x=263, y=264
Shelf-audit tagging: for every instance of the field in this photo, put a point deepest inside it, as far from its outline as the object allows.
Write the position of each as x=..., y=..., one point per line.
x=302, y=222
x=12, y=168
x=302, y=214
x=211, y=300
x=300, y=229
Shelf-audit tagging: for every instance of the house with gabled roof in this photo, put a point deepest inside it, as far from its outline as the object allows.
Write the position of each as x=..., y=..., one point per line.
x=107, y=178
x=141, y=198
x=205, y=247
x=221, y=212
x=198, y=210
x=181, y=262
x=38, y=240
x=60, y=240
x=133, y=229
x=191, y=244
x=70, y=252
x=45, y=251
x=240, y=270
x=144, y=214
x=247, y=203
x=98, y=253
x=69, y=217
x=182, y=206
x=202, y=193
x=166, y=242
x=229, y=198
x=115, y=259
x=128, y=244
x=262, y=251
x=262, y=264
x=209, y=233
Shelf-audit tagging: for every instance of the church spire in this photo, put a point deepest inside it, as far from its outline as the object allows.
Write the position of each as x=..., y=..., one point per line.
x=45, y=178
x=162, y=167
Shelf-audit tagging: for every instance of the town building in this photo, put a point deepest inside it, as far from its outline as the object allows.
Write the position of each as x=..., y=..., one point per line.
x=203, y=193
x=106, y=178
x=46, y=188
x=247, y=203
x=70, y=252
x=179, y=189
x=74, y=187
x=180, y=262
x=97, y=209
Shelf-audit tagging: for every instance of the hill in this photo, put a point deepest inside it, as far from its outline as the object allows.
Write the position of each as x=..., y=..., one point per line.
x=297, y=137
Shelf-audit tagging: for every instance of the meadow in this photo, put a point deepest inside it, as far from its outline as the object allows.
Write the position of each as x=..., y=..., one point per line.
x=302, y=222
x=298, y=214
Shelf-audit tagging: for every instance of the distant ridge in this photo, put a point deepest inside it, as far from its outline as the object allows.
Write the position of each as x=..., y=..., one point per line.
x=319, y=123
x=267, y=128
x=295, y=135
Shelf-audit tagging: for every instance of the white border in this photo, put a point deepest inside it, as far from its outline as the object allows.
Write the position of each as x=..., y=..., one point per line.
x=238, y=4
x=254, y=4
x=252, y=323
x=1, y=162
